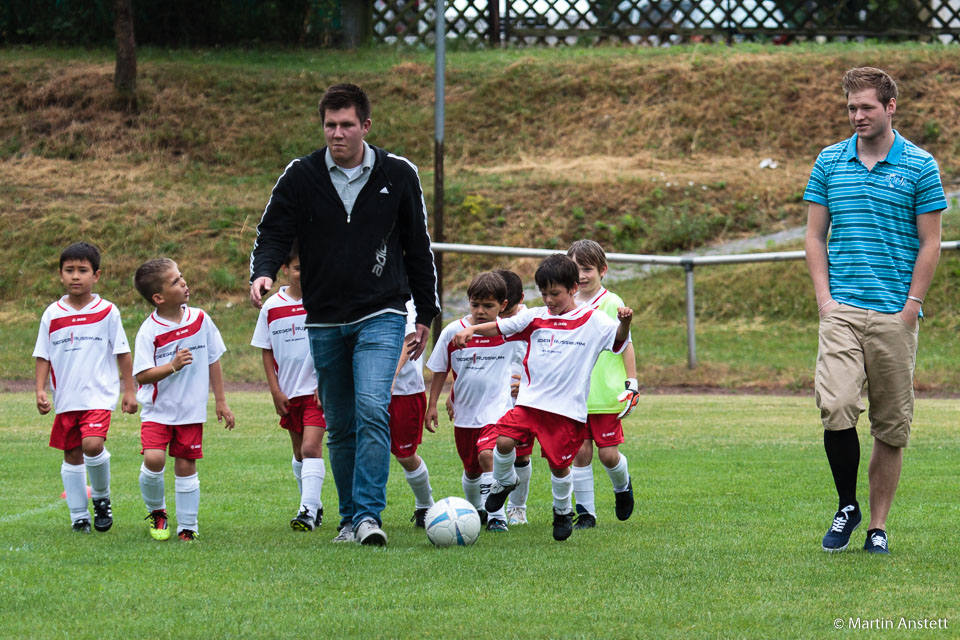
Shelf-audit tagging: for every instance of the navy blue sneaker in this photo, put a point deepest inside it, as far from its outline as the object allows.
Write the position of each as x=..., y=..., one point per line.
x=876, y=541
x=845, y=522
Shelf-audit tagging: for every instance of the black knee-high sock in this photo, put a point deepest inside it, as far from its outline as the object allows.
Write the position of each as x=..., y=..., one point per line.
x=843, y=453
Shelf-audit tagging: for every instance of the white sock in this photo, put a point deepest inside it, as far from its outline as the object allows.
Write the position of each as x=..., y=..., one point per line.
x=471, y=490
x=583, y=488
x=419, y=481
x=562, y=488
x=297, y=466
x=312, y=476
x=74, y=478
x=188, y=501
x=486, y=479
x=151, y=488
x=98, y=470
x=518, y=497
x=619, y=475
x=503, y=467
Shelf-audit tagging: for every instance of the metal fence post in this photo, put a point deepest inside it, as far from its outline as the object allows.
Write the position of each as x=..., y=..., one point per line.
x=691, y=318
x=439, y=116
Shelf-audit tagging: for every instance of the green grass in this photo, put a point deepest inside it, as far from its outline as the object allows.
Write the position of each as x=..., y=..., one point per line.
x=733, y=494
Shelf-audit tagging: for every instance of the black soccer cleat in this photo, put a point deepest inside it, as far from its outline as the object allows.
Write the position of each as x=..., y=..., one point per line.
x=483, y=516
x=419, y=518
x=497, y=525
x=303, y=521
x=82, y=526
x=319, y=519
x=584, y=519
x=497, y=496
x=624, y=500
x=562, y=525
x=102, y=514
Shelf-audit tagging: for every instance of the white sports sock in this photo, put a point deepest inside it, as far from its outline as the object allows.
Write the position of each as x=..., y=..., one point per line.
x=188, y=501
x=486, y=479
x=518, y=497
x=503, y=467
x=583, y=488
x=98, y=470
x=619, y=474
x=297, y=466
x=562, y=488
x=151, y=488
x=74, y=478
x=419, y=481
x=471, y=490
x=311, y=476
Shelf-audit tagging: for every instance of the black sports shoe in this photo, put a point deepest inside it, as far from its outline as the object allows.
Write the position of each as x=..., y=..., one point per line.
x=497, y=496
x=624, y=500
x=562, y=525
x=584, y=519
x=319, y=519
x=483, y=516
x=496, y=525
x=102, y=514
x=419, y=518
x=82, y=526
x=303, y=521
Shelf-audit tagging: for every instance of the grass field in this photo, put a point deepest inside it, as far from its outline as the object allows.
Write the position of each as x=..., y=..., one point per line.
x=733, y=495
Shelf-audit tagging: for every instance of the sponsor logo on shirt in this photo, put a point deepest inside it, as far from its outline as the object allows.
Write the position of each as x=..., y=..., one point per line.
x=73, y=339
x=895, y=180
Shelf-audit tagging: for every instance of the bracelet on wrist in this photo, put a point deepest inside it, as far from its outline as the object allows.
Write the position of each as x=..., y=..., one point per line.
x=919, y=301
x=824, y=304
x=173, y=368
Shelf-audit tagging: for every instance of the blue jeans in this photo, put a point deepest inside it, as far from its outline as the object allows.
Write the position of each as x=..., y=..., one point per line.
x=355, y=366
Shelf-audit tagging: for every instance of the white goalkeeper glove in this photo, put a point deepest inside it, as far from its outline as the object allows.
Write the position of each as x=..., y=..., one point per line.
x=631, y=396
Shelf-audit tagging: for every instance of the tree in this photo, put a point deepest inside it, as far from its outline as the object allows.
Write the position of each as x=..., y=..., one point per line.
x=125, y=73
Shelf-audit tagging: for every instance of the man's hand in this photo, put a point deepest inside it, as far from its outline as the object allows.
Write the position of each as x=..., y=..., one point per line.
x=631, y=396
x=418, y=343
x=258, y=288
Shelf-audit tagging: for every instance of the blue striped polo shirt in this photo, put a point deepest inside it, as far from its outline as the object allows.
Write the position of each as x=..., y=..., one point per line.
x=873, y=241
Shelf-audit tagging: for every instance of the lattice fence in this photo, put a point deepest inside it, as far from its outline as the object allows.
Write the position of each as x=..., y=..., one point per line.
x=662, y=22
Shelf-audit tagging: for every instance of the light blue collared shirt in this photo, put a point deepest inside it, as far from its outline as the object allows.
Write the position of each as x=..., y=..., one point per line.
x=349, y=188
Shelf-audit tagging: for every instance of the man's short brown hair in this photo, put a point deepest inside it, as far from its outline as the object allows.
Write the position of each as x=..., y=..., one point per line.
x=861, y=78
x=341, y=96
x=148, y=279
x=488, y=285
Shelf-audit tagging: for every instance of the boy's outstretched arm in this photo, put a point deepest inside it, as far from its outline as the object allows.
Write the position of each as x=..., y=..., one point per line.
x=624, y=315
x=125, y=364
x=431, y=418
x=216, y=383
x=43, y=372
x=483, y=329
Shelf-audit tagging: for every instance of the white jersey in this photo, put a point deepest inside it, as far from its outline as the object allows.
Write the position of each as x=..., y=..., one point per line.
x=481, y=375
x=180, y=398
x=410, y=377
x=560, y=352
x=82, y=348
x=281, y=329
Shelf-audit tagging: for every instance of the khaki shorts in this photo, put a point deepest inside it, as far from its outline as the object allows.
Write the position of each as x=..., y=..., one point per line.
x=861, y=347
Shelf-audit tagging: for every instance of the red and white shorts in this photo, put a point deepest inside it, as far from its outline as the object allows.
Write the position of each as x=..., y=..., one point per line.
x=71, y=427
x=488, y=440
x=303, y=411
x=605, y=429
x=406, y=423
x=560, y=437
x=185, y=440
x=466, y=439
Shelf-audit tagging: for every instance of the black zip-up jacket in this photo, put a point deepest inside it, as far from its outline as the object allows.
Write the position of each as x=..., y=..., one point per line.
x=351, y=266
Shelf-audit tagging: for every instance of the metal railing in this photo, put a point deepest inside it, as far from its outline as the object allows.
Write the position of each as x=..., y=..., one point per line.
x=686, y=262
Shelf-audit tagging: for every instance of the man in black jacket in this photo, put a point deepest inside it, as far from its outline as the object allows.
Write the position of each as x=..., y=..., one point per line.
x=361, y=222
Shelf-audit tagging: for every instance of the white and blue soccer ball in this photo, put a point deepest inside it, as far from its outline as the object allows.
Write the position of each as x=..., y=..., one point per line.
x=452, y=522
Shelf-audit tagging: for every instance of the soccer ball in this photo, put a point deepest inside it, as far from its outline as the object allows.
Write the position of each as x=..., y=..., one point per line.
x=452, y=521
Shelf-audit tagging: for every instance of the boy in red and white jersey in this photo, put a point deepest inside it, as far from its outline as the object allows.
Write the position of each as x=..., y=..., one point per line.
x=614, y=393
x=408, y=406
x=80, y=347
x=562, y=343
x=481, y=388
x=173, y=393
x=282, y=335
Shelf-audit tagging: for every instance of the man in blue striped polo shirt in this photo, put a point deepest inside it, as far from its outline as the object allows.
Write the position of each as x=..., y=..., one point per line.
x=882, y=197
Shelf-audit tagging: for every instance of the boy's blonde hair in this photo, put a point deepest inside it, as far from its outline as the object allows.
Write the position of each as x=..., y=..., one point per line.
x=148, y=279
x=861, y=78
x=588, y=252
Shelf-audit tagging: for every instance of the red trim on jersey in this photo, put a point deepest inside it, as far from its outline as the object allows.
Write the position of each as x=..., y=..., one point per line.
x=53, y=378
x=178, y=333
x=558, y=323
x=278, y=313
x=478, y=342
x=81, y=318
x=595, y=302
x=617, y=345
